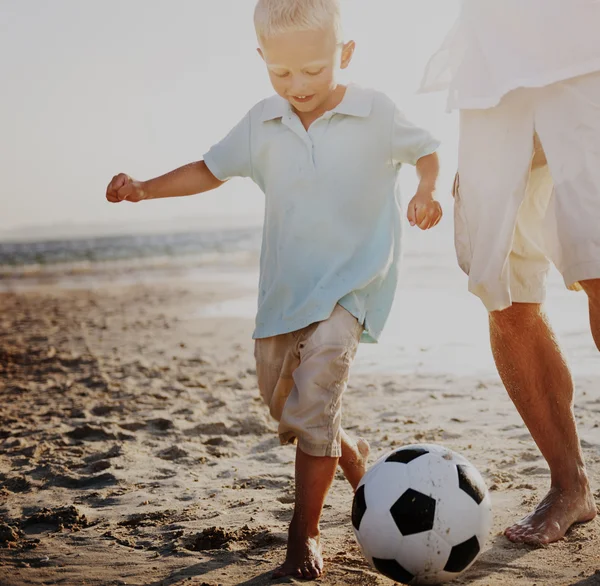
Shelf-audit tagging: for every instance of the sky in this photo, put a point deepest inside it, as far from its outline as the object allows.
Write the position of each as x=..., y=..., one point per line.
x=94, y=88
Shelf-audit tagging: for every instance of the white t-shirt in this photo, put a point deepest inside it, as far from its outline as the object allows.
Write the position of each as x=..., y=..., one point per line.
x=499, y=45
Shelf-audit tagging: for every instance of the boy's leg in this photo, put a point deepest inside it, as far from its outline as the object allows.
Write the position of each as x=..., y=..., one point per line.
x=353, y=460
x=314, y=475
x=312, y=414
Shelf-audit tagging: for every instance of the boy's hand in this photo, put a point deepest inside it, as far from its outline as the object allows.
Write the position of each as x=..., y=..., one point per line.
x=124, y=188
x=424, y=211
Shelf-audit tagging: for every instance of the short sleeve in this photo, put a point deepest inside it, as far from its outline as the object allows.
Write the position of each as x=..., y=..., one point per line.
x=410, y=142
x=231, y=157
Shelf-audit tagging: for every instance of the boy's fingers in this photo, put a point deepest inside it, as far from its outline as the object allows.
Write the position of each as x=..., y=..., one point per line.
x=120, y=180
x=430, y=218
x=116, y=183
x=422, y=214
x=426, y=223
x=124, y=192
x=411, y=215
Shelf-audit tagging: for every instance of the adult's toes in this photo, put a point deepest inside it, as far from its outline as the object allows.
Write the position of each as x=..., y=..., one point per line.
x=536, y=539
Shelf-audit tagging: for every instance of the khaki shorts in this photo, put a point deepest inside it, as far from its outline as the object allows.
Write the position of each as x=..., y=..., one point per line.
x=528, y=191
x=301, y=377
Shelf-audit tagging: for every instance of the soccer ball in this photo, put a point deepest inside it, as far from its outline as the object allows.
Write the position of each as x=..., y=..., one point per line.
x=421, y=514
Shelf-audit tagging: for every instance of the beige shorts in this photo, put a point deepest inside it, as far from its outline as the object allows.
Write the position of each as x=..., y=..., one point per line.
x=528, y=191
x=301, y=377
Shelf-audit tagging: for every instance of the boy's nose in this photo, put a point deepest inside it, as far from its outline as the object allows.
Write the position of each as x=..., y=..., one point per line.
x=298, y=88
x=298, y=91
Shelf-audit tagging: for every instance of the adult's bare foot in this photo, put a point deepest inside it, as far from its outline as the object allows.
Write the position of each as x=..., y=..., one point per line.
x=553, y=517
x=354, y=465
x=303, y=559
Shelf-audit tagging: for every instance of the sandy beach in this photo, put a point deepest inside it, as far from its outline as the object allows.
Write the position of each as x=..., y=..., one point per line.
x=134, y=448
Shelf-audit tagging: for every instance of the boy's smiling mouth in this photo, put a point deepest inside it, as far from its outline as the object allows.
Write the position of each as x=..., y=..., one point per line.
x=302, y=99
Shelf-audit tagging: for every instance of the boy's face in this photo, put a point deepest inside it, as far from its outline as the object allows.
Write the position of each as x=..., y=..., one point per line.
x=303, y=66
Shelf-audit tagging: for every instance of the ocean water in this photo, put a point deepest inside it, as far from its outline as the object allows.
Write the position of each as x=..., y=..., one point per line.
x=49, y=253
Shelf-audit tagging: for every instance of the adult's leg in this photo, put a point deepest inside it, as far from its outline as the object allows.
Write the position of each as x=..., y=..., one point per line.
x=538, y=381
x=592, y=288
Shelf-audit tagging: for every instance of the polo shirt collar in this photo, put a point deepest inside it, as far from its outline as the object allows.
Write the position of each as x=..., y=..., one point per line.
x=357, y=102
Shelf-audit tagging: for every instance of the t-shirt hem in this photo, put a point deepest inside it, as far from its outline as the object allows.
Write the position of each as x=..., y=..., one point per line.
x=368, y=336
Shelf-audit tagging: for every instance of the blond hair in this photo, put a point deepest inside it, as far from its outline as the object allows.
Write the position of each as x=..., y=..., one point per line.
x=273, y=17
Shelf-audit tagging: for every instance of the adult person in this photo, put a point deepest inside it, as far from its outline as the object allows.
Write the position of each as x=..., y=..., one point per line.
x=525, y=76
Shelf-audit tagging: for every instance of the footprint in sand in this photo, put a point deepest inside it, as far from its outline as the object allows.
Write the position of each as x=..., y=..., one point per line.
x=96, y=433
x=535, y=471
x=221, y=538
x=160, y=424
x=102, y=410
x=12, y=537
x=68, y=481
x=530, y=456
x=114, y=452
x=287, y=499
x=99, y=466
x=173, y=453
x=59, y=518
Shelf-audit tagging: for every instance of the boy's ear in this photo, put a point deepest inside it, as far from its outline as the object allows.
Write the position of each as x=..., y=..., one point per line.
x=259, y=51
x=347, y=53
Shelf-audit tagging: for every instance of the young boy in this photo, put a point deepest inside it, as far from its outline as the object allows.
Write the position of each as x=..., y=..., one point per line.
x=327, y=158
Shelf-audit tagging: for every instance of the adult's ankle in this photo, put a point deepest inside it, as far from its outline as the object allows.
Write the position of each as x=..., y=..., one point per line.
x=573, y=481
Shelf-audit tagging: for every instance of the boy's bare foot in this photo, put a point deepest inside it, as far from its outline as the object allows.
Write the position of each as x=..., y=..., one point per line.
x=354, y=460
x=303, y=559
x=553, y=517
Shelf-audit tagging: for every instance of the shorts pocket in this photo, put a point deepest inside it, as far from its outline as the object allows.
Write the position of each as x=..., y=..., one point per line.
x=462, y=241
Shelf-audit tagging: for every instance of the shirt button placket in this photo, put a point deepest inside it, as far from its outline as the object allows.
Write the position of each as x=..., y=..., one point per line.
x=311, y=144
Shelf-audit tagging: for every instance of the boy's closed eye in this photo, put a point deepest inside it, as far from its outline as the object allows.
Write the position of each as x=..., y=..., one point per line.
x=313, y=72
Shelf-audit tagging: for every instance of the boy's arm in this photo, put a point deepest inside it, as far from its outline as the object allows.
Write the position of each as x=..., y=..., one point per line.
x=187, y=180
x=428, y=171
x=423, y=209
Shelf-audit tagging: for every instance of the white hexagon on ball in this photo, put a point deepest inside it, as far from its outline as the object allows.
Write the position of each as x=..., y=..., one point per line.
x=422, y=514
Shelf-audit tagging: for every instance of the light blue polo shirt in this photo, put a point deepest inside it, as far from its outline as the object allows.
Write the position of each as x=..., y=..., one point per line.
x=332, y=222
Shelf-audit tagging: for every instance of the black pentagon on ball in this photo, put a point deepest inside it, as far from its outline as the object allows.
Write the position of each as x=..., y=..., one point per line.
x=413, y=512
x=392, y=569
x=462, y=555
x=406, y=455
x=468, y=482
x=359, y=507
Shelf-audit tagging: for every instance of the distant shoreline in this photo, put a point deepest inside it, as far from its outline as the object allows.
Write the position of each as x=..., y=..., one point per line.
x=44, y=252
